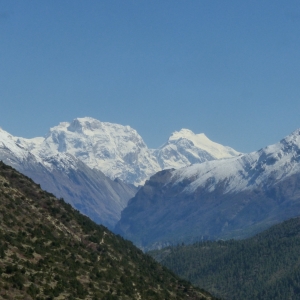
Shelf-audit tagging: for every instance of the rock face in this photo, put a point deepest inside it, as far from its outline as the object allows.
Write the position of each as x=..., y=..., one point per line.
x=88, y=190
x=225, y=198
x=120, y=152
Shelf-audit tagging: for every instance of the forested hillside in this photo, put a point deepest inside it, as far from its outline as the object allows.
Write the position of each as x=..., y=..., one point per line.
x=263, y=267
x=48, y=250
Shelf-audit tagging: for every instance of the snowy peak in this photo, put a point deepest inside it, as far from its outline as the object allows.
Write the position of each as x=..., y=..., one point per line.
x=262, y=168
x=201, y=141
x=184, y=148
x=116, y=150
x=8, y=143
x=89, y=126
x=188, y=134
x=292, y=141
x=119, y=151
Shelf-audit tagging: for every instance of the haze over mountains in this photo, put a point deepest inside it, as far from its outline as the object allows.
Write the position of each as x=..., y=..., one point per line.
x=94, y=165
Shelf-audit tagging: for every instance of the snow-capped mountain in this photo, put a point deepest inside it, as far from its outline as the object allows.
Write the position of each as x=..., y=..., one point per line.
x=120, y=152
x=265, y=167
x=184, y=148
x=8, y=144
x=88, y=190
x=227, y=198
x=70, y=159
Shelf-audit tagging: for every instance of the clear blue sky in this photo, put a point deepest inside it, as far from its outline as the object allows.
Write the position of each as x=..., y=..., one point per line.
x=229, y=68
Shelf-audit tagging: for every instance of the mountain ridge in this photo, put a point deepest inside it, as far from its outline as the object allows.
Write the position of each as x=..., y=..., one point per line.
x=81, y=160
x=221, y=199
x=89, y=190
x=119, y=151
x=48, y=250
x=246, y=171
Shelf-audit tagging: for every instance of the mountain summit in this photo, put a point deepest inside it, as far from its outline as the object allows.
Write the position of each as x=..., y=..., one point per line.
x=262, y=168
x=119, y=151
x=184, y=148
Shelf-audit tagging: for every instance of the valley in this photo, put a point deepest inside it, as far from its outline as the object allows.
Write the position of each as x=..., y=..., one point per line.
x=191, y=191
x=98, y=166
x=149, y=150
x=264, y=267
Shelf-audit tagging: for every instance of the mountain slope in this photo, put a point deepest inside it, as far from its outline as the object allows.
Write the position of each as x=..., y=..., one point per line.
x=267, y=166
x=265, y=267
x=227, y=198
x=89, y=190
x=49, y=250
x=120, y=152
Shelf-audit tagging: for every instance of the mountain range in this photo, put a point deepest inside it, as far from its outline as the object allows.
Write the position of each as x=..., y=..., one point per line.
x=120, y=152
x=189, y=189
x=220, y=199
x=97, y=166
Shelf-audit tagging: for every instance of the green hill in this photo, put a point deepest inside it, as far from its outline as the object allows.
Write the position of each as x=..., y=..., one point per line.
x=48, y=250
x=264, y=267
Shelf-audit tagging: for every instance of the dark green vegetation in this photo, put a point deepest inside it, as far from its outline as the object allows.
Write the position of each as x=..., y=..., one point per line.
x=264, y=267
x=48, y=250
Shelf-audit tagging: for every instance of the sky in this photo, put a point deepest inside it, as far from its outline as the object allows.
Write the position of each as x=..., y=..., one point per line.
x=229, y=69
